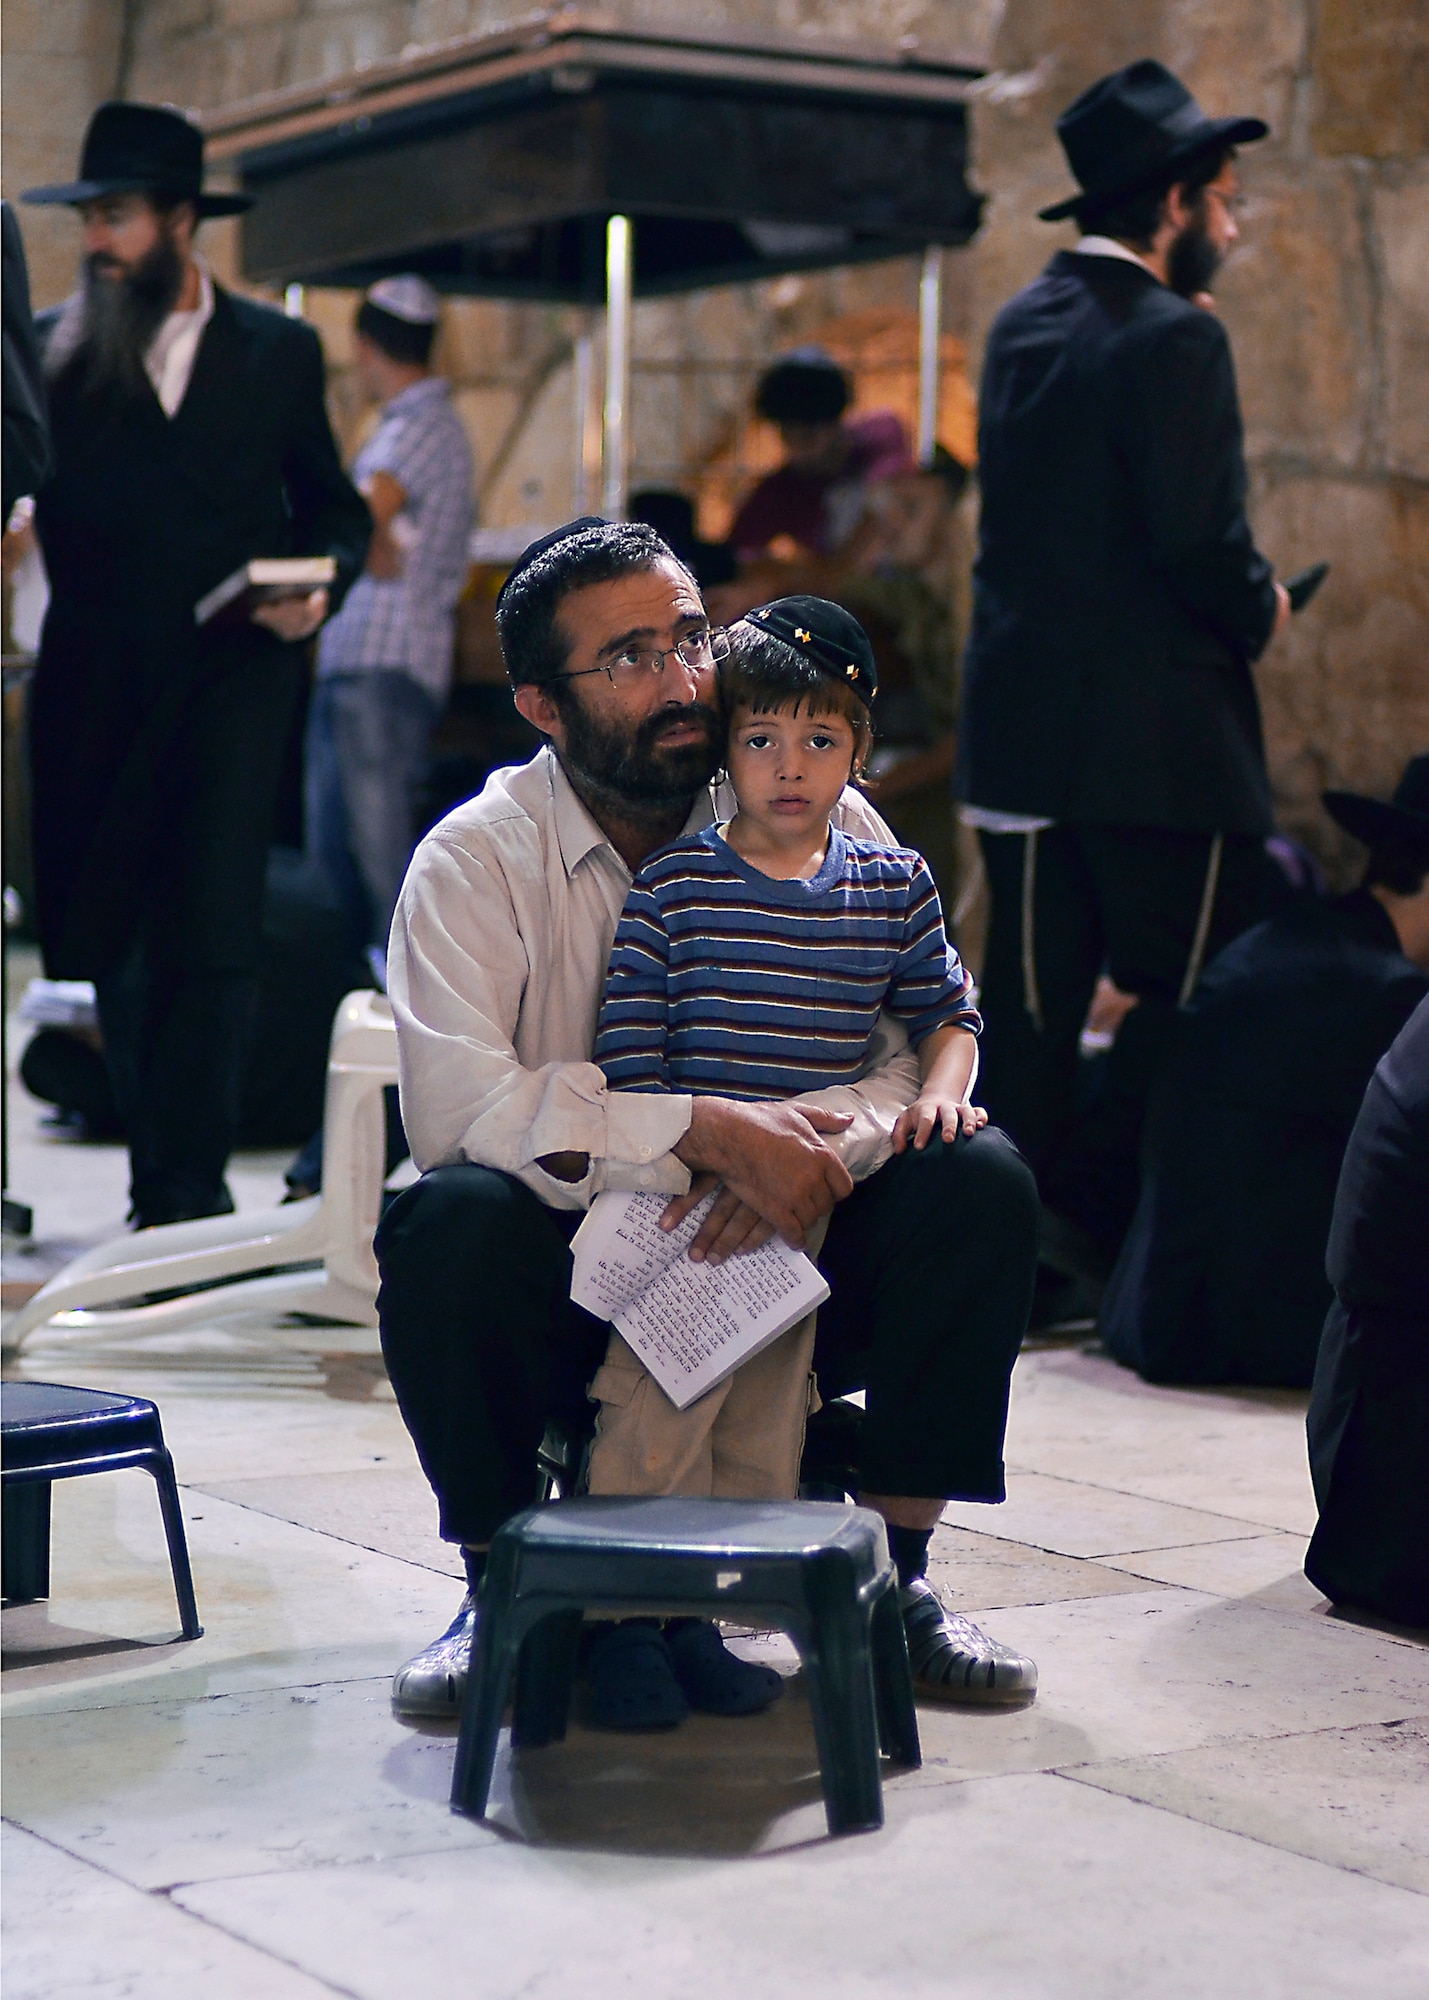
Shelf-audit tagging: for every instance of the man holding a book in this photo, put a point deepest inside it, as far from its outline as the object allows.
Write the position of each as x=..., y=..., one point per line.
x=193, y=454
x=496, y=973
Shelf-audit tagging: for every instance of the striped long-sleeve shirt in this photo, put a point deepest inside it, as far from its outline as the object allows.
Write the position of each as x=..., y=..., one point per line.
x=726, y=982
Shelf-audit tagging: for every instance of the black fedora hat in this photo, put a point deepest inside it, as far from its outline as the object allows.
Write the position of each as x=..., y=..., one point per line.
x=1129, y=129
x=1402, y=822
x=141, y=148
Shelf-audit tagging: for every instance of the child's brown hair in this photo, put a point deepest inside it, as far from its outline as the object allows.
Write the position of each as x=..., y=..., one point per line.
x=763, y=674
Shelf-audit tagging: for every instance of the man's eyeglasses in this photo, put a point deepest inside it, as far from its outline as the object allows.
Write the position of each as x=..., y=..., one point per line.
x=696, y=650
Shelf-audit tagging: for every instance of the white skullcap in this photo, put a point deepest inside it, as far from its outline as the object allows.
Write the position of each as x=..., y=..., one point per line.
x=408, y=298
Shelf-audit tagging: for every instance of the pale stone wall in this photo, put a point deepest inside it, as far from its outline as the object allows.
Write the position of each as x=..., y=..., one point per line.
x=1327, y=301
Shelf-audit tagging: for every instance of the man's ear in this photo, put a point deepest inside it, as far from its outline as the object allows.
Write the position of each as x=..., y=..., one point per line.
x=538, y=706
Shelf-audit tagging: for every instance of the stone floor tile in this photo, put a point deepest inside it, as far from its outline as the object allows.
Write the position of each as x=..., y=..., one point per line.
x=1356, y=1798
x=1163, y=1670
x=980, y=1572
x=1240, y=1452
x=281, y=1606
x=390, y=1509
x=71, y=1930
x=1269, y=1567
x=1030, y=1887
x=1072, y=1518
x=178, y=1791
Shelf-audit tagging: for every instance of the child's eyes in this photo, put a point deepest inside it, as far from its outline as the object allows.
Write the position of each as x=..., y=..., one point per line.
x=756, y=742
x=822, y=742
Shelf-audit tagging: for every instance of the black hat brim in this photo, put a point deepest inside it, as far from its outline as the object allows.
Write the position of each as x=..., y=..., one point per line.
x=70, y=194
x=1376, y=823
x=1215, y=132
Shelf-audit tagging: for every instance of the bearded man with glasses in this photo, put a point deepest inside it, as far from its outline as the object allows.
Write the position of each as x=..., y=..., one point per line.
x=496, y=972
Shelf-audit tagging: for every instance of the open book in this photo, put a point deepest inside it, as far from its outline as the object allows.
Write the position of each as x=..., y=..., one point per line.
x=691, y=1324
x=265, y=580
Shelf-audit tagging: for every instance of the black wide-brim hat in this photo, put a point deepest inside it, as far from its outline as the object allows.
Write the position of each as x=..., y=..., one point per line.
x=140, y=149
x=1401, y=821
x=1130, y=129
x=826, y=634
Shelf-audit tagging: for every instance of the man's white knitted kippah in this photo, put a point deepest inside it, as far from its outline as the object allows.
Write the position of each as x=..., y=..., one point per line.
x=408, y=298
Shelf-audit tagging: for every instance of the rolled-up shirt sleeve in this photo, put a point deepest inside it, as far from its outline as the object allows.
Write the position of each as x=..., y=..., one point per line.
x=466, y=1095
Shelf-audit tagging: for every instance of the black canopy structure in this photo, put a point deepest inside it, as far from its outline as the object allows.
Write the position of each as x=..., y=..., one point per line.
x=567, y=159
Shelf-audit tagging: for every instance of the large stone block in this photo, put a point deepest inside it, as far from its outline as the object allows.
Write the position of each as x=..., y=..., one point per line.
x=1296, y=297
x=1346, y=689
x=1401, y=223
x=1371, y=78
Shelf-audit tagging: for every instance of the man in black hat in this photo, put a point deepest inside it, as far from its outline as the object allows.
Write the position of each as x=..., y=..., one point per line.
x=1222, y=1275
x=190, y=438
x=1111, y=753
x=496, y=972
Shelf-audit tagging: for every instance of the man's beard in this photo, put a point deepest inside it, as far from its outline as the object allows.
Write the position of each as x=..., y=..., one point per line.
x=1193, y=260
x=106, y=330
x=633, y=774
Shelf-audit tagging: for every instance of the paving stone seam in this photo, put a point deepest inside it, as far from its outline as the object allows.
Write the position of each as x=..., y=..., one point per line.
x=1074, y=1776
x=166, y=1895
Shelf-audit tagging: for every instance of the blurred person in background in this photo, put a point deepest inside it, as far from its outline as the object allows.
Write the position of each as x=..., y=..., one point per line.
x=385, y=660
x=1110, y=749
x=190, y=437
x=1222, y=1275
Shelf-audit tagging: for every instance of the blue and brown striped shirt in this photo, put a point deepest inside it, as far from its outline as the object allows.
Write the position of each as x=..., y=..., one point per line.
x=725, y=982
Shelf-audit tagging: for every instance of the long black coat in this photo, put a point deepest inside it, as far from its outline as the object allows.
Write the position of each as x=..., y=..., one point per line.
x=146, y=513
x=1118, y=596
x=1368, y=1423
x=1222, y=1275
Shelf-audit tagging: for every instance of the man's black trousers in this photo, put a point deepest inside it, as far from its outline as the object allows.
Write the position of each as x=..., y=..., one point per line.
x=931, y=1265
x=176, y=1007
x=1127, y=900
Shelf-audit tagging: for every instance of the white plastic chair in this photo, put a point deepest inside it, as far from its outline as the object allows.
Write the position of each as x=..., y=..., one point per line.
x=312, y=1256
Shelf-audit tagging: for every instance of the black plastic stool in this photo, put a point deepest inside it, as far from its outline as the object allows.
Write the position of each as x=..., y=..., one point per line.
x=820, y=1573
x=48, y=1432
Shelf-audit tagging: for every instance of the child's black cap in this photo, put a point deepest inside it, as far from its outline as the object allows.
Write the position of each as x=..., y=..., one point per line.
x=826, y=634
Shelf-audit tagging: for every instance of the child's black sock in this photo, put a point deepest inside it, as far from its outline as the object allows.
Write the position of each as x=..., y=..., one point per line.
x=475, y=1560
x=909, y=1550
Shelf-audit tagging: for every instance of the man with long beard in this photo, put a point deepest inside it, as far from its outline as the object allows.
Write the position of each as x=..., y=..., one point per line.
x=496, y=972
x=190, y=437
x=1110, y=748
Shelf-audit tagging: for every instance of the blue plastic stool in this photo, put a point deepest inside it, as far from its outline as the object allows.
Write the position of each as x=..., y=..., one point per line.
x=820, y=1573
x=49, y=1432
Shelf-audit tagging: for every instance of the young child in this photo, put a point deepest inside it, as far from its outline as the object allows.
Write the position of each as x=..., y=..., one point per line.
x=753, y=960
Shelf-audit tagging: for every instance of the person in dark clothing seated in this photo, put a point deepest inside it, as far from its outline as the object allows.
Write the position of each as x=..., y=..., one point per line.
x=1368, y=1423
x=1221, y=1278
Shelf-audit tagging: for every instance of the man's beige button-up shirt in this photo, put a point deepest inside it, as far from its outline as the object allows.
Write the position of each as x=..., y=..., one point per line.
x=496, y=969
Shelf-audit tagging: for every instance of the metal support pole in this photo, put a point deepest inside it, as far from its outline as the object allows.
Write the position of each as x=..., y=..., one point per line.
x=618, y=274
x=930, y=326
x=587, y=426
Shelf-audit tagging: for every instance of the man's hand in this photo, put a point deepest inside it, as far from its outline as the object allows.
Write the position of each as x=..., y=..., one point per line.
x=930, y=1110
x=730, y=1227
x=771, y=1159
x=293, y=618
x=1283, y=613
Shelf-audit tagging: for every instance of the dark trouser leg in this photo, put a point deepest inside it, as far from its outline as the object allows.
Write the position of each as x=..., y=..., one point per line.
x=1150, y=889
x=482, y=1343
x=1028, y=1054
x=176, y=1012
x=931, y=1264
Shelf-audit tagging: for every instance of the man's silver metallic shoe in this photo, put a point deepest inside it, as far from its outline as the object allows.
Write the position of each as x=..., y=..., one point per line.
x=434, y=1682
x=952, y=1660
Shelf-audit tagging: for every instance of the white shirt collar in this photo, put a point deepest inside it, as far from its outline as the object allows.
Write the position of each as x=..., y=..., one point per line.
x=169, y=363
x=1107, y=246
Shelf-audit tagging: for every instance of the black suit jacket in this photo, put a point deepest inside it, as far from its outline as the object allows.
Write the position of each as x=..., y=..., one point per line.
x=1222, y=1275
x=1118, y=596
x=144, y=514
x=1368, y=1422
